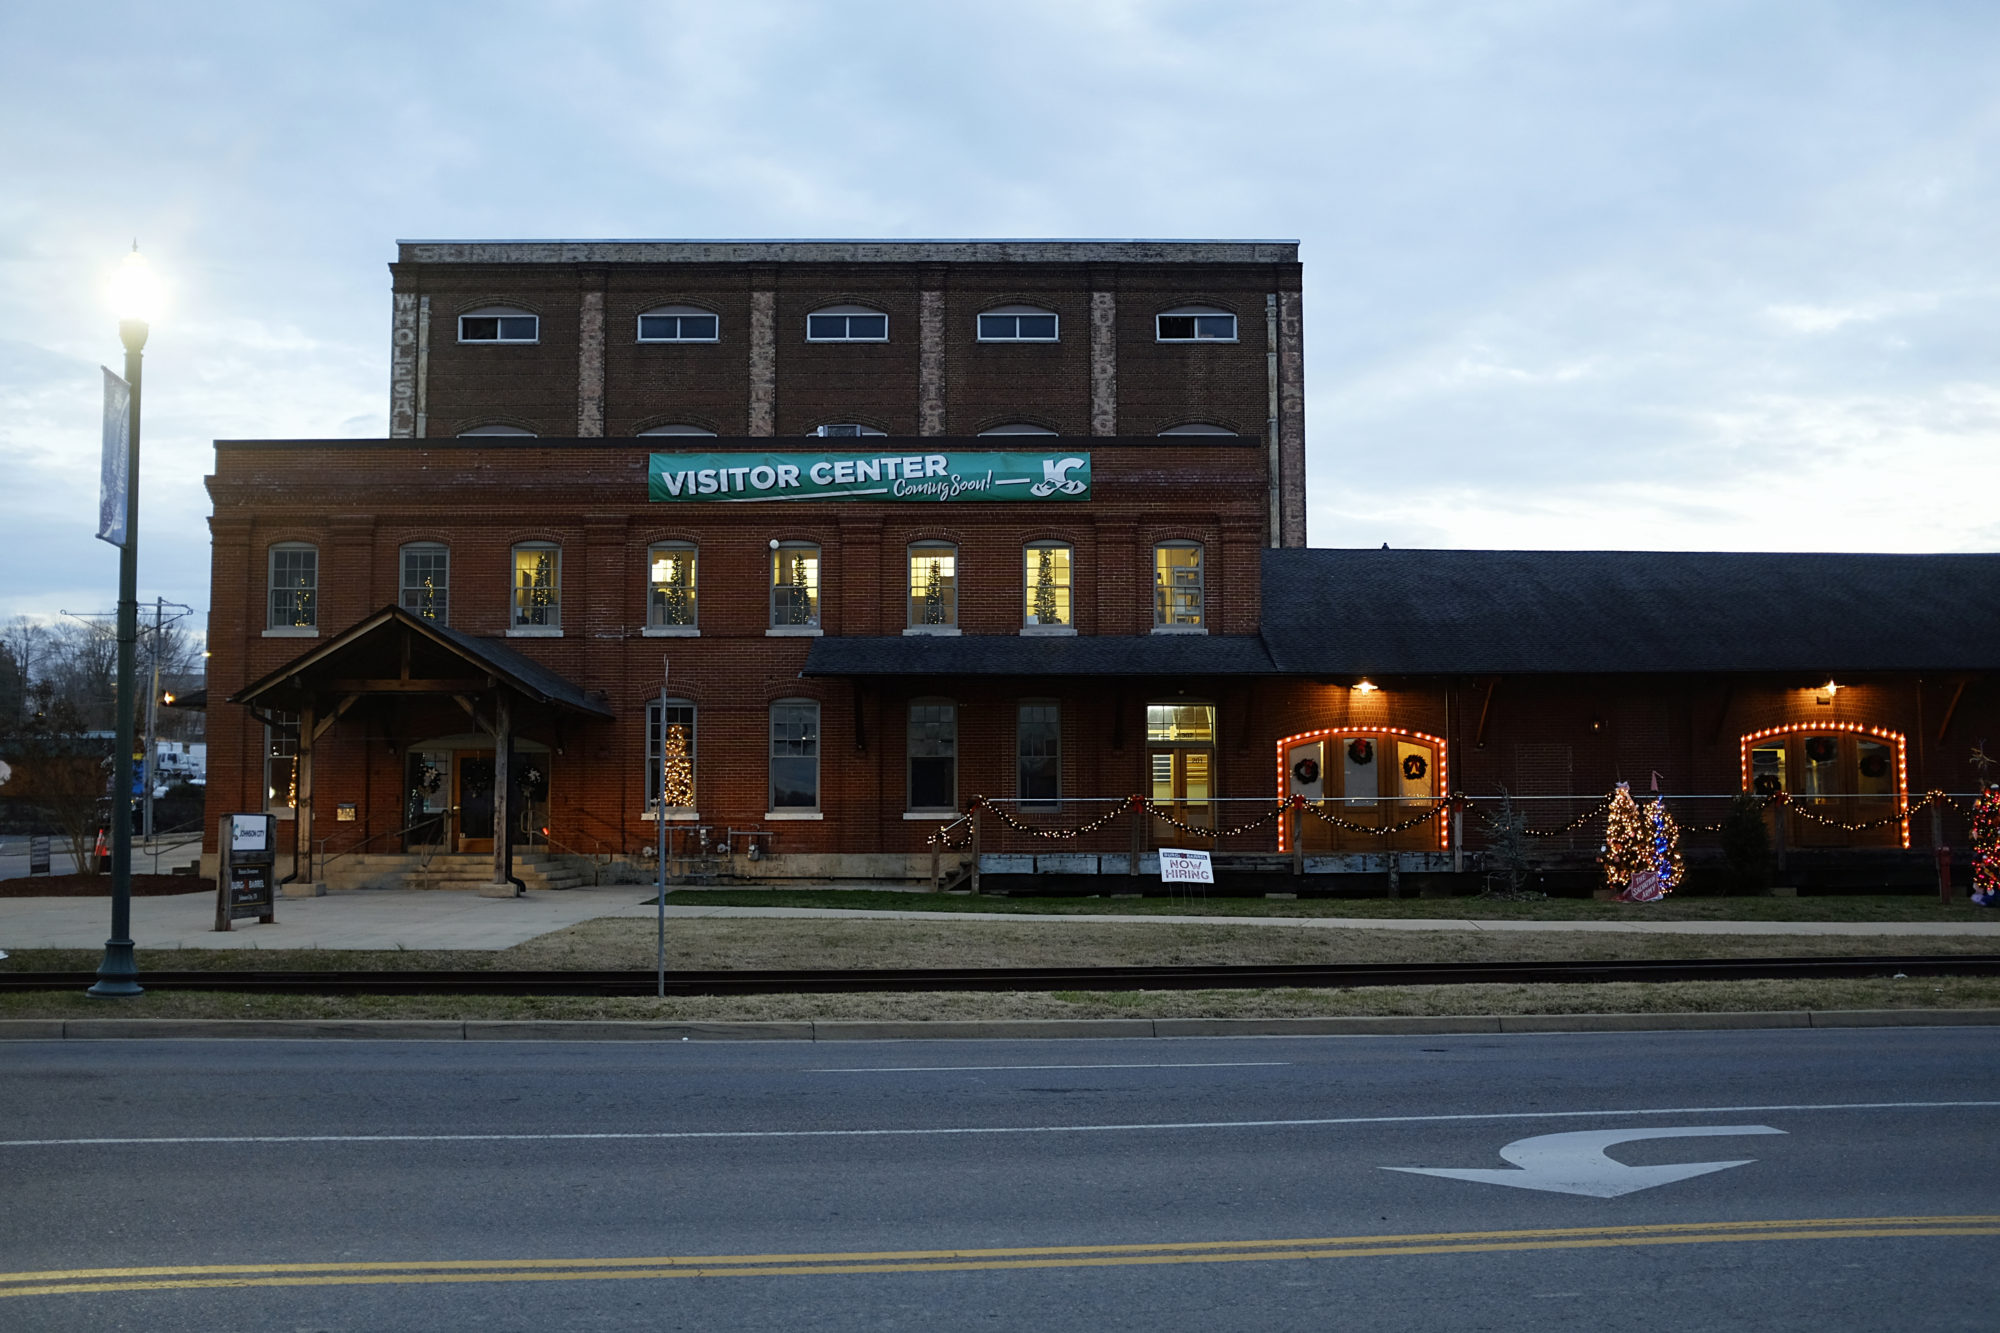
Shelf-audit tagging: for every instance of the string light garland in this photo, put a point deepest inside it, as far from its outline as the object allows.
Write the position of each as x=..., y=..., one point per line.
x=1665, y=860
x=1895, y=738
x=1986, y=848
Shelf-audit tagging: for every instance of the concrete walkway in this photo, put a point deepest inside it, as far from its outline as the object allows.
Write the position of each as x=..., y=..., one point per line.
x=447, y=919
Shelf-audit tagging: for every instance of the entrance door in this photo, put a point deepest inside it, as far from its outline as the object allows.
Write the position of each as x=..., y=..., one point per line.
x=1181, y=784
x=473, y=783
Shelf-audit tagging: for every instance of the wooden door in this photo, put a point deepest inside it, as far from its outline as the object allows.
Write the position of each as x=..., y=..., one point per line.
x=472, y=786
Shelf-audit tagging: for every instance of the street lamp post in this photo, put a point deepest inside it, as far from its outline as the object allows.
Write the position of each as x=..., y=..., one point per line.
x=118, y=973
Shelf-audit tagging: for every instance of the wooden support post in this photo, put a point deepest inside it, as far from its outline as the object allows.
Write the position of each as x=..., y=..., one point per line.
x=1395, y=874
x=1457, y=839
x=1941, y=853
x=503, y=805
x=937, y=862
x=975, y=848
x=303, y=886
x=1139, y=818
x=1778, y=831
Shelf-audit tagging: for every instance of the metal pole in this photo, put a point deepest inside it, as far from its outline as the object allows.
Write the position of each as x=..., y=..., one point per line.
x=118, y=973
x=152, y=723
x=660, y=828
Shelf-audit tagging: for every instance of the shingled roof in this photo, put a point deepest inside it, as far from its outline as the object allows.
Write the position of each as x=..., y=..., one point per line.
x=1362, y=612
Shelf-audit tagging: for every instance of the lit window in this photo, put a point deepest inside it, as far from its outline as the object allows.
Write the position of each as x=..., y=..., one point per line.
x=538, y=586
x=1180, y=724
x=933, y=755
x=847, y=324
x=1018, y=323
x=1196, y=323
x=1047, y=580
x=679, y=324
x=294, y=586
x=1038, y=753
x=795, y=755
x=1018, y=428
x=795, y=585
x=679, y=754
x=426, y=581
x=670, y=582
x=933, y=584
x=1177, y=585
x=499, y=324
x=281, y=765
x=844, y=430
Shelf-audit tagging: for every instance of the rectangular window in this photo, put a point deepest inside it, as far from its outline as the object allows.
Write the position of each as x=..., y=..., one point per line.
x=847, y=328
x=1197, y=328
x=1038, y=754
x=427, y=581
x=498, y=328
x=795, y=586
x=933, y=756
x=294, y=587
x=670, y=580
x=679, y=740
x=538, y=587
x=1017, y=328
x=933, y=585
x=281, y=765
x=1187, y=724
x=795, y=755
x=678, y=328
x=1177, y=585
x=1047, y=579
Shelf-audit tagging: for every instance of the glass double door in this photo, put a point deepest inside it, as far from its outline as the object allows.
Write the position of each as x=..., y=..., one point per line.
x=1181, y=782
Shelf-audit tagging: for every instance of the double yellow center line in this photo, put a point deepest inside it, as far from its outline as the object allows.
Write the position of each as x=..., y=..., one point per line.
x=428, y=1271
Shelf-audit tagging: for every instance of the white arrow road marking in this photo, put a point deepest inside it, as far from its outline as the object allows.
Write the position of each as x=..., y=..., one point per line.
x=1575, y=1163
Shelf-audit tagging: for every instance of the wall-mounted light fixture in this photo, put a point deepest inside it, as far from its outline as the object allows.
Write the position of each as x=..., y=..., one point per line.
x=1365, y=686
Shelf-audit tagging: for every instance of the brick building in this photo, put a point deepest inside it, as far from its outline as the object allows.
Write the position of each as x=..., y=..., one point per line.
x=914, y=522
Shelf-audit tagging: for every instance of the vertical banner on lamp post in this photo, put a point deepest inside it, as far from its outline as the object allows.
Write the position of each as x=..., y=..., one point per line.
x=112, y=479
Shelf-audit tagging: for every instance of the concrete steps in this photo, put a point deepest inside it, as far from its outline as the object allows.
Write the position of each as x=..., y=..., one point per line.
x=386, y=870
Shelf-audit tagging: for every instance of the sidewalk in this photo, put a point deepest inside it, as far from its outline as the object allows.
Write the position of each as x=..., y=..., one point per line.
x=449, y=919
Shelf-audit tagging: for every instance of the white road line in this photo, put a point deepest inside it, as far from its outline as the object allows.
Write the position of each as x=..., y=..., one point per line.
x=985, y=1069
x=670, y=1135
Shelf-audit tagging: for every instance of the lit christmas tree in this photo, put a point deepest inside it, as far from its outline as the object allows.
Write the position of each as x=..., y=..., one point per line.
x=1627, y=839
x=1663, y=847
x=934, y=609
x=1046, y=610
x=677, y=773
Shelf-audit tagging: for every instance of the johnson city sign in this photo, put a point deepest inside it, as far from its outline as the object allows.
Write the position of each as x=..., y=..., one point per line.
x=741, y=478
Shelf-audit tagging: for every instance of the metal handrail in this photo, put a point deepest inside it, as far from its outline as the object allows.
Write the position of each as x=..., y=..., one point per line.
x=322, y=860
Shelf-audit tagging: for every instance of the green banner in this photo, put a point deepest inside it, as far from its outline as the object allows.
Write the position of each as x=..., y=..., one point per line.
x=745, y=478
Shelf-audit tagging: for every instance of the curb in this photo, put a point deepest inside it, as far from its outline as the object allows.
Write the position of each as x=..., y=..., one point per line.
x=394, y=1029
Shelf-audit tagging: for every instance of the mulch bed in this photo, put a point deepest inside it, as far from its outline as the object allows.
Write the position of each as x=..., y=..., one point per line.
x=99, y=886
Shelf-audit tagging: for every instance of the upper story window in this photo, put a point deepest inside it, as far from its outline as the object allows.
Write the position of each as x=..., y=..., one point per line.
x=933, y=585
x=795, y=585
x=426, y=580
x=1017, y=324
x=1196, y=323
x=294, y=586
x=847, y=324
x=670, y=586
x=1047, y=580
x=673, y=429
x=1199, y=428
x=679, y=324
x=498, y=429
x=844, y=430
x=538, y=587
x=1177, y=586
x=1018, y=428
x=499, y=324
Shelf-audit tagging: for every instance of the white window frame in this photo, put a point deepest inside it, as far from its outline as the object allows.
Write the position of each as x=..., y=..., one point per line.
x=817, y=585
x=656, y=622
x=912, y=721
x=1163, y=616
x=1028, y=572
x=832, y=311
x=500, y=312
x=281, y=741
x=439, y=593
x=811, y=710
x=1197, y=312
x=290, y=591
x=933, y=550
x=516, y=626
x=677, y=313
x=1054, y=707
x=655, y=740
x=1015, y=312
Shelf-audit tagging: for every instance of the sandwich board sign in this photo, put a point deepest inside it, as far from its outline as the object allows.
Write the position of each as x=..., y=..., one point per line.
x=1179, y=866
x=245, y=884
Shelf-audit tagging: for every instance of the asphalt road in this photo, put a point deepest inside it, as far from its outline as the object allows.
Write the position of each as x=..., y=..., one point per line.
x=1102, y=1185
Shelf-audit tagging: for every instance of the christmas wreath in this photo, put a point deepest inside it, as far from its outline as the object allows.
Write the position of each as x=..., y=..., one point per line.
x=1361, y=750
x=1822, y=749
x=534, y=783
x=1874, y=765
x=1766, y=784
x=1414, y=767
x=1306, y=771
x=429, y=779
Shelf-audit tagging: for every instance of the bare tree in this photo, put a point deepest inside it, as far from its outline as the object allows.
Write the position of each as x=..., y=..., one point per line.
x=58, y=768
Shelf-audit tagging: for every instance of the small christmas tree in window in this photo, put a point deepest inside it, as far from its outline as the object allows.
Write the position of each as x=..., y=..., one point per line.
x=1046, y=610
x=677, y=772
x=934, y=607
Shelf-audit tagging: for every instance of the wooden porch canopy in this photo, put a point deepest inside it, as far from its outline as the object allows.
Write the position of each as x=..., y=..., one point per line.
x=395, y=654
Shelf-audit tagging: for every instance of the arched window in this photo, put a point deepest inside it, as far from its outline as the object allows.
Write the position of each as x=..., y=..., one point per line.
x=933, y=754
x=1196, y=323
x=795, y=755
x=676, y=430
x=1017, y=324
x=1017, y=428
x=426, y=580
x=678, y=742
x=1046, y=577
x=847, y=324
x=679, y=324
x=845, y=430
x=1198, y=428
x=294, y=585
x=1178, y=586
x=537, y=589
x=498, y=429
x=670, y=587
x=933, y=587
x=499, y=324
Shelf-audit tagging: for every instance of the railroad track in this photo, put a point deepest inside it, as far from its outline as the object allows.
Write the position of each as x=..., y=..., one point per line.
x=826, y=980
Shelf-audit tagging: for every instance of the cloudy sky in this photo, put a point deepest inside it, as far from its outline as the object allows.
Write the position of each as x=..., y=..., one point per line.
x=1636, y=275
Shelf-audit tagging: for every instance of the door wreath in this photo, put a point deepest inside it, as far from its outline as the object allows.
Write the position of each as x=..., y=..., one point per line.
x=1414, y=767
x=1361, y=750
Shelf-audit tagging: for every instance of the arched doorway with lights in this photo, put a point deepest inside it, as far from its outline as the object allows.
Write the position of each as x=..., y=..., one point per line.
x=1376, y=777
x=1836, y=777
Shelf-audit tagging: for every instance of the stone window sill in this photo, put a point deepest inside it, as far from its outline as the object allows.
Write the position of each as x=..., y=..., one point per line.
x=1180, y=629
x=673, y=816
x=671, y=632
x=534, y=632
x=933, y=631
x=1048, y=631
x=794, y=632
x=293, y=632
x=793, y=814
